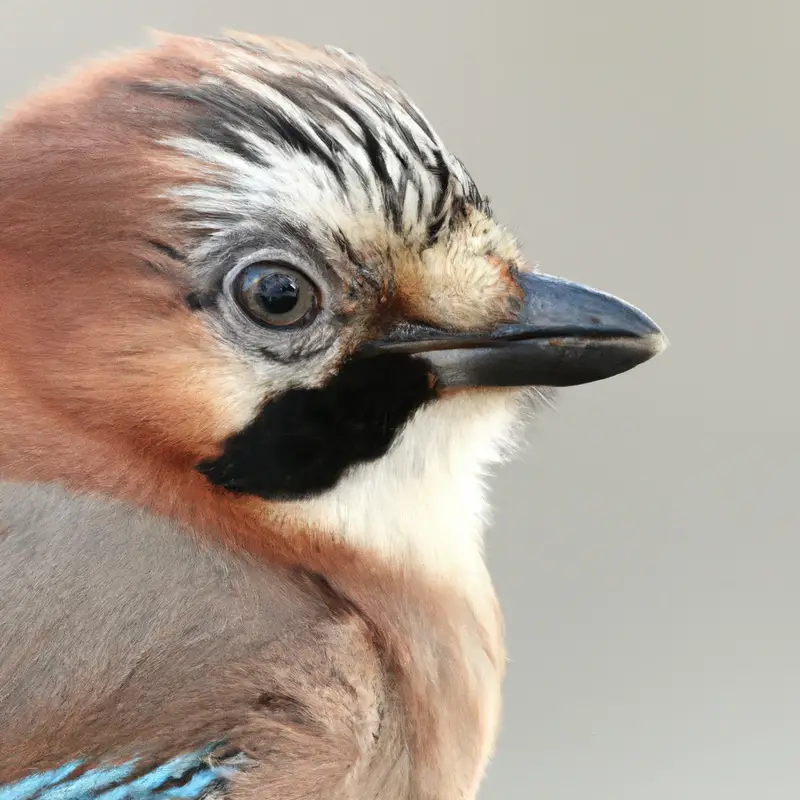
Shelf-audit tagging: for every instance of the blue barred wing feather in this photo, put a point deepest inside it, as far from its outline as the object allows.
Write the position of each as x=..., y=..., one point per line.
x=202, y=775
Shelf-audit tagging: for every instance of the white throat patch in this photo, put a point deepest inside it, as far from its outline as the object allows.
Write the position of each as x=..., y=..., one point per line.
x=423, y=504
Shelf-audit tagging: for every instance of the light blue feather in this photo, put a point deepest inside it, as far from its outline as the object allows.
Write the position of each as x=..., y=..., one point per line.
x=187, y=777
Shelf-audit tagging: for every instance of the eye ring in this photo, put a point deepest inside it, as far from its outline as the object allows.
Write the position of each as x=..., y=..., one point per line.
x=275, y=295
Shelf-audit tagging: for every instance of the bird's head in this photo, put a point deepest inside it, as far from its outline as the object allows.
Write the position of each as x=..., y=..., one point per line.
x=257, y=263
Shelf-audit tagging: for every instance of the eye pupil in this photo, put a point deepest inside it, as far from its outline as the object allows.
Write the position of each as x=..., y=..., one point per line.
x=279, y=293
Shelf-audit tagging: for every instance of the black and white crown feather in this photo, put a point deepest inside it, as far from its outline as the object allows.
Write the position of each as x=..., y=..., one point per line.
x=324, y=138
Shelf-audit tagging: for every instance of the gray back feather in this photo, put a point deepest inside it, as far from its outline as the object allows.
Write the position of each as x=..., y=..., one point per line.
x=121, y=633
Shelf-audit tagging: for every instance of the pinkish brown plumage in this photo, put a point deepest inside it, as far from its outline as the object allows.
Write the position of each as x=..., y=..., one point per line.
x=260, y=336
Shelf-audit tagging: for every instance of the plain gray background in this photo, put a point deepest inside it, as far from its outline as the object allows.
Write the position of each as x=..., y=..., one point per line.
x=647, y=542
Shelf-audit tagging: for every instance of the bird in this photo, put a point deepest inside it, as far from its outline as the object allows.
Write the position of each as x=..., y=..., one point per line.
x=262, y=339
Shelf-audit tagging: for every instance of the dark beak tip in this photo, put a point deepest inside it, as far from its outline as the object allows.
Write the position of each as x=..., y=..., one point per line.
x=649, y=346
x=649, y=336
x=658, y=343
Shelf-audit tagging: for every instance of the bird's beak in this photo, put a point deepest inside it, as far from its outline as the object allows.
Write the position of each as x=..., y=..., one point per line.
x=564, y=334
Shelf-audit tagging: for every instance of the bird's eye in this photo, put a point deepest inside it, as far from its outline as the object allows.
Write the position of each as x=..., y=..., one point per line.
x=276, y=295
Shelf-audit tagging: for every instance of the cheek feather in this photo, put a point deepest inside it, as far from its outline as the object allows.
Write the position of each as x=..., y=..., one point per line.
x=303, y=441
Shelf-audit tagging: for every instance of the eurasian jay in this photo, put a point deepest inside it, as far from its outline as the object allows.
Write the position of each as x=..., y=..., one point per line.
x=260, y=338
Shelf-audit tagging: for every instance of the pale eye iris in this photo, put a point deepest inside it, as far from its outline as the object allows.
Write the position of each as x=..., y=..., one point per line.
x=275, y=295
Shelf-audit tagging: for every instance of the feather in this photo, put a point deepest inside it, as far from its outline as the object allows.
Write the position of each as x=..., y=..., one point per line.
x=192, y=776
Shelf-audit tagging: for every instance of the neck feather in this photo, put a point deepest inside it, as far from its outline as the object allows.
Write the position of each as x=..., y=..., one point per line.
x=422, y=506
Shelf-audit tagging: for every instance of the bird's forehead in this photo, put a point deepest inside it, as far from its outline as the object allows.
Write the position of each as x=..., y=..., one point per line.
x=314, y=132
x=316, y=139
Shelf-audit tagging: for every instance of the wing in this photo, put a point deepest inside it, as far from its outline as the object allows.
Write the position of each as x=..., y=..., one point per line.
x=201, y=775
x=127, y=646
